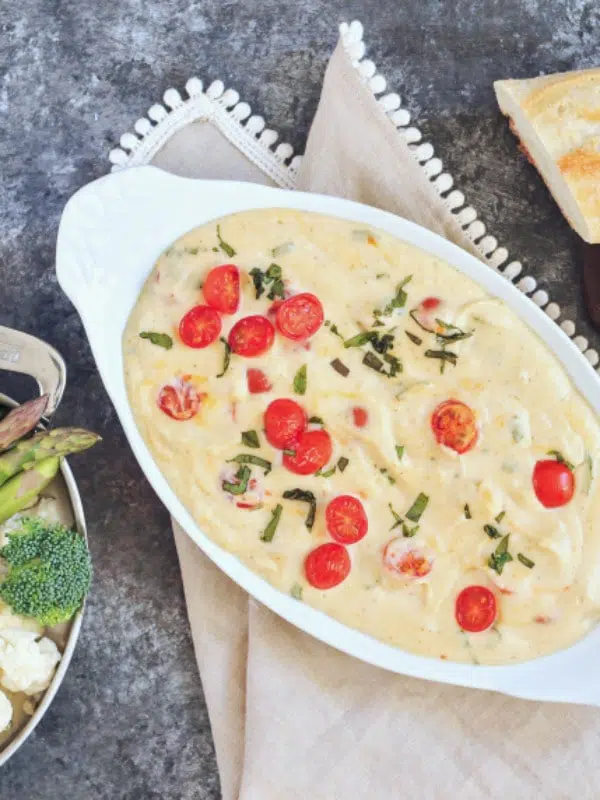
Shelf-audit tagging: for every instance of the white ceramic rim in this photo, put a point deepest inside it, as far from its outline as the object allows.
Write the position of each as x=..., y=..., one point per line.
x=110, y=235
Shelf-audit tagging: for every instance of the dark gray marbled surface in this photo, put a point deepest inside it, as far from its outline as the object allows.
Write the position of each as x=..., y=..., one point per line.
x=130, y=720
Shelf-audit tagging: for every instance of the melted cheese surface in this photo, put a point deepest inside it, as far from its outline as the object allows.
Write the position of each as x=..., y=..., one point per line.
x=524, y=402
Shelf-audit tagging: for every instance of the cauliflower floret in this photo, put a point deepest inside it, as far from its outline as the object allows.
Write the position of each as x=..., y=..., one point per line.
x=27, y=663
x=6, y=712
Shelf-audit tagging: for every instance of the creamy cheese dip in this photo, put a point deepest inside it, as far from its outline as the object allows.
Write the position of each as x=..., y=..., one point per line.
x=380, y=406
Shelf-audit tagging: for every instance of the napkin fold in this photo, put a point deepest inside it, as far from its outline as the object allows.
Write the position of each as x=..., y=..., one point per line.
x=291, y=717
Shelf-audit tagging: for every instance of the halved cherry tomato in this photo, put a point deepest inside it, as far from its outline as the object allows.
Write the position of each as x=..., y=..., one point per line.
x=300, y=317
x=284, y=421
x=454, y=425
x=346, y=519
x=200, y=327
x=257, y=381
x=553, y=483
x=222, y=288
x=251, y=336
x=179, y=400
x=312, y=451
x=475, y=609
x=360, y=416
x=327, y=565
x=402, y=558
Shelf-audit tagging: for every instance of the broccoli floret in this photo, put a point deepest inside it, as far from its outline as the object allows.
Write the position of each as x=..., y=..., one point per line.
x=49, y=571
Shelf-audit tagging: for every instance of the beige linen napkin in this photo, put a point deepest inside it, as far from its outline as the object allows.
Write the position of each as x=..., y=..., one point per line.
x=293, y=719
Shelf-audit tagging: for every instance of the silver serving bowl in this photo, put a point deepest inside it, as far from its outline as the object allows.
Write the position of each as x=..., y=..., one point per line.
x=20, y=352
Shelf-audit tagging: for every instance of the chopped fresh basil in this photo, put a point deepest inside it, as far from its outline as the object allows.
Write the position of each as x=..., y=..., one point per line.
x=273, y=276
x=561, y=459
x=215, y=249
x=258, y=280
x=316, y=421
x=159, y=339
x=282, y=249
x=289, y=452
x=226, y=358
x=443, y=355
x=327, y=474
x=226, y=248
x=500, y=517
x=250, y=439
x=304, y=497
x=296, y=591
x=361, y=338
x=300, y=380
x=269, y=531
x=395, y=365
x=450, y=333
x=527, y=562
x=333, y=328
x=468, y=514
x=399, y=299
x=414, y=339
x=340, y=367
x=409, y=532
x=342, y=463
x=500, y=557
x=399, y=451
x=492, y=532
x=415, y=512
x=397, y=518
x=193, y=251
x=239, y=486
x=382, y=343
x=247, y=458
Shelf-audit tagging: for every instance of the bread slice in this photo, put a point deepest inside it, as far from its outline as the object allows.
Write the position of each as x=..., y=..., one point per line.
x=557, y=120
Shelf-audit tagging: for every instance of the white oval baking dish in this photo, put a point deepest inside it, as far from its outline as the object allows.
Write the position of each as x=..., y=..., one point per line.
x=21, y=352
x=110, y=235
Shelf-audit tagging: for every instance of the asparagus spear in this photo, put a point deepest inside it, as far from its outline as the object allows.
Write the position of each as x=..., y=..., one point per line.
x=21, y=420
x=59, y=442
x=22, y=490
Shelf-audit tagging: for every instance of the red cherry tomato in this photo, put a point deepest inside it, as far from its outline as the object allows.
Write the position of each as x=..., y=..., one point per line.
x=222, y=288
x=200, y=327
x=311, y=452
x=402, y=558
x=360, y=416
x=179, y=400
x=300, y=317
x=454, y=425
x=257, y=381
x=475, y=609
x=346, y=519
x=251, y=336
x=327, y=565
x=284, y=421
x=553, y=483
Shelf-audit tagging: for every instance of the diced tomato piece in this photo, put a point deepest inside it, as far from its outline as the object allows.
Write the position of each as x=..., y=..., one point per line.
x=179, y=400
x=251, y=336
x=284, y=421
x=300, y=317
x=454, y=425
x=346, y=519
x=257, y=381
x=360, y=416
x=312, y=451
x=431, y=303
x=476, y=609
x=553, y=483
x=403, y=558
x=221, y=288
x=200, y=327
x=327, y=565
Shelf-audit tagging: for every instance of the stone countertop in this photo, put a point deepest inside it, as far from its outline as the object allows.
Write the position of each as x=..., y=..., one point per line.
x=130, y=720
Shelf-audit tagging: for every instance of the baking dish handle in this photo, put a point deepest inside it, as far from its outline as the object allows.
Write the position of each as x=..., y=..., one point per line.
x=21, y=352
